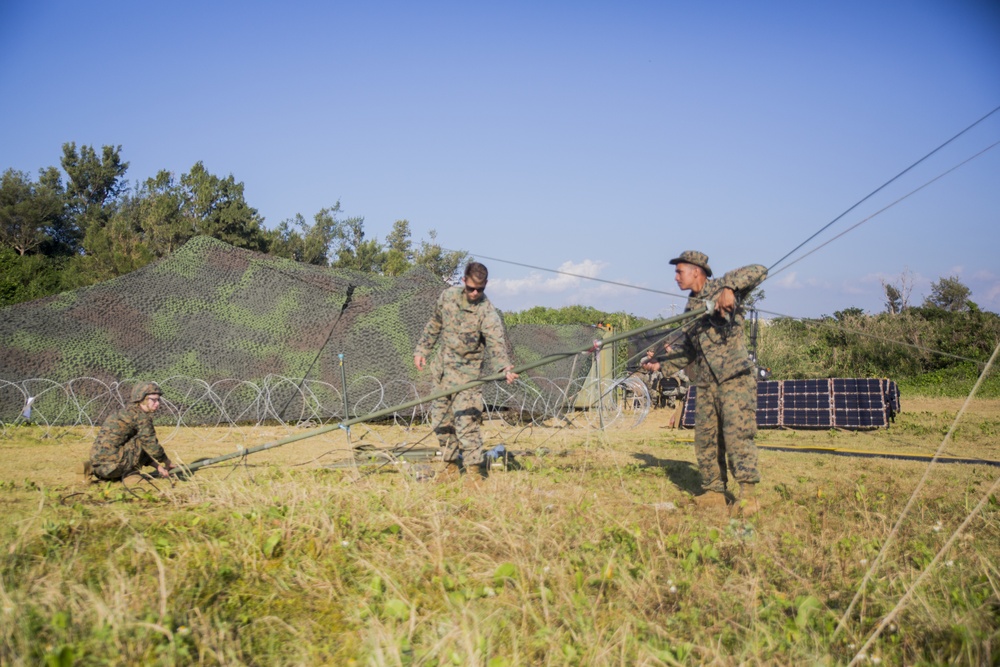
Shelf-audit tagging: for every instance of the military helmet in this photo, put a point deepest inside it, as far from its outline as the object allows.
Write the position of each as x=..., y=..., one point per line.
x=144, y=389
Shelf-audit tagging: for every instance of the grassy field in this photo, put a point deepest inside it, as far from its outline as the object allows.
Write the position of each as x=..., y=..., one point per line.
x=589, y=554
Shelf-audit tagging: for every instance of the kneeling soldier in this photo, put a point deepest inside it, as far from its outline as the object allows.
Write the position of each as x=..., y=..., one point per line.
x=127, y=440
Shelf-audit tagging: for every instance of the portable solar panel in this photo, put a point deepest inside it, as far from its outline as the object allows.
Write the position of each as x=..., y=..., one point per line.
x=806, y=404
x=769, y=404
x=849, y=403
x=858, y=403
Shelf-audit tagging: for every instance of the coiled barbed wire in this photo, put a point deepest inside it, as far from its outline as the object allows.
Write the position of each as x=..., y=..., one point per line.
x=281, y=401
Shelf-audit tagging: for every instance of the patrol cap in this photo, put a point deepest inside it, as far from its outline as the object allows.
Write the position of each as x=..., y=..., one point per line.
x=142, y=390
x=696, y=258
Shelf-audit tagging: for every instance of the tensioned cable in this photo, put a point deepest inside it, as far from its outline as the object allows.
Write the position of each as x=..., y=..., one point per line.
x=575, y=275
x=771, y=275
x=909, y=504
x=767, y=312
x=881, y=210
x=881, y=187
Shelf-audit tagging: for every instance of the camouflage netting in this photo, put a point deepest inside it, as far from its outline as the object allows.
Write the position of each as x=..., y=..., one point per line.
x=214, y=320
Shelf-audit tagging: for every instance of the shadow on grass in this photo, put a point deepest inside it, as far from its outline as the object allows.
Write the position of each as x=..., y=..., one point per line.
x=682, y=474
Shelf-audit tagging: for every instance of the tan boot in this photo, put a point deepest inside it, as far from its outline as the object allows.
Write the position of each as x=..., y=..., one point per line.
x=86, y=471
x=449, y=472
x=711, y=500
x=749, y=504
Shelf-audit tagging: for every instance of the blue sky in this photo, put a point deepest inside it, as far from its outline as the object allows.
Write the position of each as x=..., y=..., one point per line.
x=601, y=138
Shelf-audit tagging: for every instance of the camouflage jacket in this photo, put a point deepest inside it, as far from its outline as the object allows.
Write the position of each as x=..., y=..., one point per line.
x=714, y=343
x=462, y=332
x=119, y=429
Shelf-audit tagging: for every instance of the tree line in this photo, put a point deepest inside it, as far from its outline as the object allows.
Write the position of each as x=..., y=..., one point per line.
x=83, y=223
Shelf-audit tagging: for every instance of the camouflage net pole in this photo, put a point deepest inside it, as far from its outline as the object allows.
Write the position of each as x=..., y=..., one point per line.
x=347, y=423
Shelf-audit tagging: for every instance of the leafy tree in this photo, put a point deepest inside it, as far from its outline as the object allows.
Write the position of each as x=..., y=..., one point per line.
x=95, y=183
x=30, y=213
x=949, y=294
x=159, y=206
x=286, y=239
x=893, y=299
x=440, y=262
x=848, y=314
x=63, y=232
x=217, y=208
x=27, y=277
x=353, y=251
x=398, y=249
x=897, y=295
x=113, y=249
x=310, y=244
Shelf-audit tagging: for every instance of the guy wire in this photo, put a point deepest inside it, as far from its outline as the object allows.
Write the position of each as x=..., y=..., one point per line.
x=768, y=312
x=881, y=187
x=825, y=243
x=881, y=210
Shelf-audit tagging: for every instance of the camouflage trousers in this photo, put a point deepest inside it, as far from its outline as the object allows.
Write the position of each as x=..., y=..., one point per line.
x=725, y=423
x=130, y=458
x=456, y=420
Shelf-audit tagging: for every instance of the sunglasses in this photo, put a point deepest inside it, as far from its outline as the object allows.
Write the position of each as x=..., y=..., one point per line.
x=473, y=290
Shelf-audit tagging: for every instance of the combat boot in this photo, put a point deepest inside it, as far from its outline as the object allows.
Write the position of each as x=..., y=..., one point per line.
x=749, y=504
x=711, y=500
x=449, y=472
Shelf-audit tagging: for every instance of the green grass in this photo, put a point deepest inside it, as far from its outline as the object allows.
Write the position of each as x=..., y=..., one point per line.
x=573, y=560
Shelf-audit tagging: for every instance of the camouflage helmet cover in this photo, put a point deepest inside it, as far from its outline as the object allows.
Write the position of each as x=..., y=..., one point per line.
x=144, y=389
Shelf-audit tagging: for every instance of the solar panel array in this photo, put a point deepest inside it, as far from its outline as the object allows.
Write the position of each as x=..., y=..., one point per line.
x=847, y=403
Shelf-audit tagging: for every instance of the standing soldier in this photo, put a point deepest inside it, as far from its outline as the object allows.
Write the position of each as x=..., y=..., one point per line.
x=127, y=440
x=464, y=324
x=726, y=404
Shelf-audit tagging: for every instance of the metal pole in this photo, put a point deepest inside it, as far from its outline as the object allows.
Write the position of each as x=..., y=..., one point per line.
x=552, y=358
x=343, y=384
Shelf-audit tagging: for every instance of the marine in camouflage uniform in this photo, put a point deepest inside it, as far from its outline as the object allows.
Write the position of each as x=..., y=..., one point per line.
x=721, y=369
x=463, y=326
x=127, y=440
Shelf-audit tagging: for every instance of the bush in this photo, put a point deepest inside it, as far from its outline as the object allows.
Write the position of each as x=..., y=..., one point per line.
x=930, y=350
